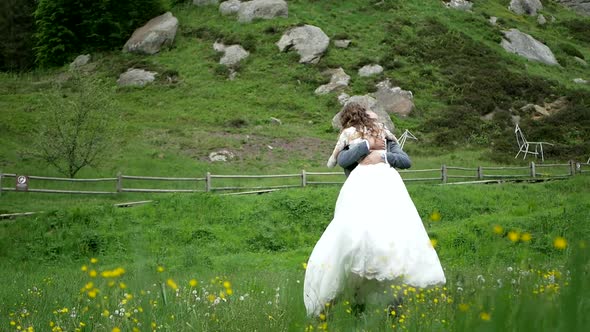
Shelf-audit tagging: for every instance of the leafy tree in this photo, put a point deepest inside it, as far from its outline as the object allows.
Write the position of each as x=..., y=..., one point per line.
x=16, y=34
x=79, y=125
x=69, y=27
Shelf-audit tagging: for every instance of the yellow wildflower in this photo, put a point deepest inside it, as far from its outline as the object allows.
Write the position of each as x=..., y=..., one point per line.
x=227, y=284
x=171, y=284
x=160, y=269
x=433, y=242
x=122, y=285
x=93, y=260
x=84, y=268
x=92, y=273
x=560, y=243
x=513, y=236
x=463, y=307
x=193, y=283
x=322, y=317
x=498, y=229
x=485, y=316
x=304, y=266
x=116, y=329
x=526, y=237
x=435, y=216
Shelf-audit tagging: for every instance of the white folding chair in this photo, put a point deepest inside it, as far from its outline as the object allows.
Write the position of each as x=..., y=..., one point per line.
x=402, y=139
x=525, y=146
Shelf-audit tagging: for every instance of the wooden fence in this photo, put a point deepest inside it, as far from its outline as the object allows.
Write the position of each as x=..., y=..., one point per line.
x=237, y=183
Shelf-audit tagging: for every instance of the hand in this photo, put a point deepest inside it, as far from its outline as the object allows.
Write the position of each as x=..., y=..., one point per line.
x=377, y=144
x=372, y=158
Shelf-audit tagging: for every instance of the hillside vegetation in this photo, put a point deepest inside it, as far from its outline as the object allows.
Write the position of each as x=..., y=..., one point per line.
x=451, y=60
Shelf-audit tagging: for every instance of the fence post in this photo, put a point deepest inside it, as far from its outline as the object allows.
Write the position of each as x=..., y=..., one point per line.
x=0, y=182
x=444, y=173
x=208, y=182
x=303, y=178
x=479, y=173
x=533, y=170
x=119, y=182
x=572, y=168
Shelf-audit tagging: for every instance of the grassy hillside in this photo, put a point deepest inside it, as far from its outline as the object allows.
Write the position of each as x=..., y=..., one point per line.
x=450, y=60
x=496, y=243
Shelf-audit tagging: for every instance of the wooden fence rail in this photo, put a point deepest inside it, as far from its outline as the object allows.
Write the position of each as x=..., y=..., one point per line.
x=445, y=174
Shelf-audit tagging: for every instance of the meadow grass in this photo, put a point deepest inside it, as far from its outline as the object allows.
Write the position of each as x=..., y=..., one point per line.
x=515, y=257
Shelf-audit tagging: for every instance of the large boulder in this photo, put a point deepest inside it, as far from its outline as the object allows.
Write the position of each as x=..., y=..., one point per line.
x=394, y=100
x=525, y=45
x=205, y=2
x=338, y=81
x=150, y=38
x=369, y=103
x=309, y=41
x=265, y=9
x=581, y=7
x=528, y=7
x=136, y=77
x=230, y=7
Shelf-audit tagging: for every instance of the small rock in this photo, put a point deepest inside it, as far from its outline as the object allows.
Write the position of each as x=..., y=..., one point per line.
x=275, y=121
x=541, y=19
x=580, y=81
x=370, y=70
x=342, y=43
x=80, y=61
x=221, y=155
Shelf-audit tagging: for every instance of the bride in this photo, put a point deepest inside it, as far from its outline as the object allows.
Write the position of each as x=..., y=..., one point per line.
x=376, y=237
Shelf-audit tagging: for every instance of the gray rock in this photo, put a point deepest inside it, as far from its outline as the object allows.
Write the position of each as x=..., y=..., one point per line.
x=459, y=4
x=221, y=155
x=581, y=61
x=541, y=19
x=81, y=60
x=493, y=20
x=205, y=2
x=528, y=7
x=275, y=121
x=230, y=7
x=580, y=81
x=309, y=41
x=370, y=70
x=369, y=103
x=136, y=77
x=265, y=9
x=150, y=38
x=528, y=47
x=338, y=81
x=233, y=54
x=342, y=43
x=394, y=100
x=581, y=7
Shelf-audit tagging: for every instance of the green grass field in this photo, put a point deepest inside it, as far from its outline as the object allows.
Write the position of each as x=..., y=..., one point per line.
x=515, y=257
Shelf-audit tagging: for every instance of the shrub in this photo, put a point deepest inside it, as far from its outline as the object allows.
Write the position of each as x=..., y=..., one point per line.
x=571, y=50
x=69, y=27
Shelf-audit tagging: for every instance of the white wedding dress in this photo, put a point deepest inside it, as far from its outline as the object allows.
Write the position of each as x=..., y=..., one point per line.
x=376, y=235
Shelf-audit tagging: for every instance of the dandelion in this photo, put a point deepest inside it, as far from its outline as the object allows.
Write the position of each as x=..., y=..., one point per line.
x=122, y=285
x=435, y=216
x=513, y=236
x=226, y=284
x=463, y=307
x=160, y=269
x=84, y=268
x=526, y=237
x=92, y=273
x=304, y=265
x=171, y=284
x=93, y=260
x=193, y=283
x=92, y=293
x=433, y=242
x=559, y=243
x=116, y=329
x=322, y=317
x=485, y=316
x=498, y=229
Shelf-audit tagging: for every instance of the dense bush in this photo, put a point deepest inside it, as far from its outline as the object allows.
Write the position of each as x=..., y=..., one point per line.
x=16, y=40
x=69, y=27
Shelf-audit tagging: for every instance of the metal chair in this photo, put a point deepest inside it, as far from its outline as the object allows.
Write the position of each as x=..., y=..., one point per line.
x=402, y=139
x=525, y=146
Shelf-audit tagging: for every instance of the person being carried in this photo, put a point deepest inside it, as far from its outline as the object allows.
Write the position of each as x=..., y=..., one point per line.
x=364, y=153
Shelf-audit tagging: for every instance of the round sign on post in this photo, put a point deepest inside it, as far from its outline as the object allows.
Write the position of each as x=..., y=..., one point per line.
x=22, y=183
